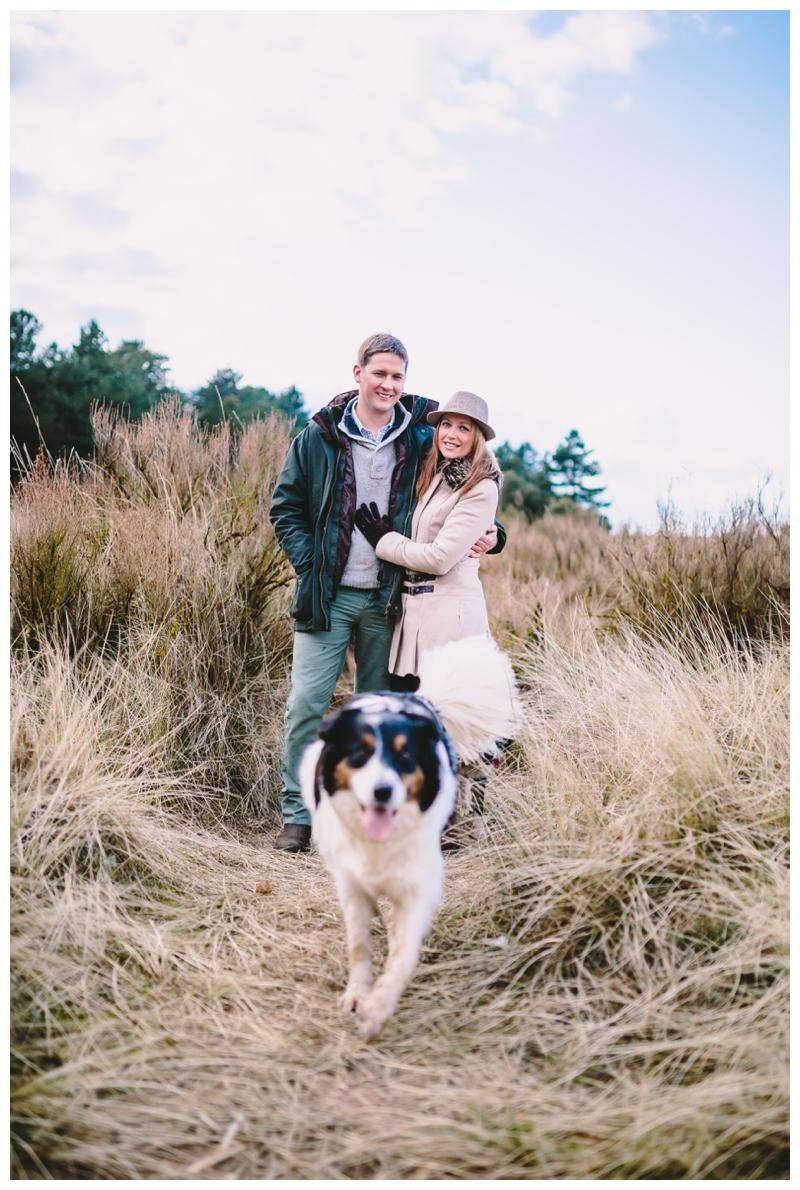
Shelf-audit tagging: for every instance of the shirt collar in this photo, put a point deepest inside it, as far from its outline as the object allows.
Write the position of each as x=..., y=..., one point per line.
x=355, y=426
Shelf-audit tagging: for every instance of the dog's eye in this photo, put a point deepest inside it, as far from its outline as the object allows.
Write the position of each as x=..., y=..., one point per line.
x=400, y=748
x=359, y=758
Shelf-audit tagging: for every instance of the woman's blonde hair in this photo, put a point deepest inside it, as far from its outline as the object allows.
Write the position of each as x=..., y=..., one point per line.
x=483, y=464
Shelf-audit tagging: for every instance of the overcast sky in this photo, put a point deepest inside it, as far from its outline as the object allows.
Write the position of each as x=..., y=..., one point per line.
x=583, y=217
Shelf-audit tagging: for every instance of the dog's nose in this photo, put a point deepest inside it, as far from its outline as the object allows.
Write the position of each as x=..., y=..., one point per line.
x=382, y=793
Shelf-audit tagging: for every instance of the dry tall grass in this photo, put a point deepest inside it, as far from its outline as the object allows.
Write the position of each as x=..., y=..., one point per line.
x=163, y=554
x=604, y=990
x=731, y=573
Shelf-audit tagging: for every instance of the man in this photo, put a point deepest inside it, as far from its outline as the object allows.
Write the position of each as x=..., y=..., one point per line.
x=365, y=445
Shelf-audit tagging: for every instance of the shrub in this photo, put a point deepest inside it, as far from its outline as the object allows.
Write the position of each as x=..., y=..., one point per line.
x=675, y=583
x=734, y=572
x=160, y=557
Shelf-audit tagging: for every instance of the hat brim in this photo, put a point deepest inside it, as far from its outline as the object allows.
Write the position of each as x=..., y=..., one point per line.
x=436, y=416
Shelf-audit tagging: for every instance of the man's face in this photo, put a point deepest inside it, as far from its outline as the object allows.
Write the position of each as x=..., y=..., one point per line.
x=380, y=383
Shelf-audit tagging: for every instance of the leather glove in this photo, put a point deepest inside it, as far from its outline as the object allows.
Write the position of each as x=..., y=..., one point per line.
x=372, y=524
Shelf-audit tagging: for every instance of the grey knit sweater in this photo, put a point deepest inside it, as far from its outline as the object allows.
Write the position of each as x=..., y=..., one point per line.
x=373, y=463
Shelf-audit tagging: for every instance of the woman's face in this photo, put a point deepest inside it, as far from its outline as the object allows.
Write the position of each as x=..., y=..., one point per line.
x=456, y=436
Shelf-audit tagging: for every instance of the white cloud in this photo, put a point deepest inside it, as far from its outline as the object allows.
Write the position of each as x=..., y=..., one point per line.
x=706, y=25
x=262, y=189
x=547, y=67
x=233, y=151
x=167, y=109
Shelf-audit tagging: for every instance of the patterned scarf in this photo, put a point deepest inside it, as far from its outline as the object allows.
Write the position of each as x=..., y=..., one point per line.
x=455, y=471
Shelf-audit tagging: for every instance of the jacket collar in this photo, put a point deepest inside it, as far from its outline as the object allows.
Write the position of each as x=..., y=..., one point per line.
x=329, y=417
x=351, y=426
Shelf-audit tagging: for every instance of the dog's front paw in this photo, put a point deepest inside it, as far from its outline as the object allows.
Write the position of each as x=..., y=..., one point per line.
x=353, y=995
x=372, y=1014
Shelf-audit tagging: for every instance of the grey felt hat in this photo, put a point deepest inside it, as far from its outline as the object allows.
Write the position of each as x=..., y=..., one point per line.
x=468, y=405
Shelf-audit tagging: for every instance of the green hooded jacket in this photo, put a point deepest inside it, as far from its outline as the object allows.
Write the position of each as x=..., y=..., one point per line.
x=314, y=506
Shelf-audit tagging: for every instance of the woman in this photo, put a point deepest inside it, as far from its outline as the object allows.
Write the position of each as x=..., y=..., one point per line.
x=443, y=600
x=457, y=495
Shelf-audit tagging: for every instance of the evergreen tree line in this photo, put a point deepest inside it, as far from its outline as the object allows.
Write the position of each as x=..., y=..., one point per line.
x=60, y=387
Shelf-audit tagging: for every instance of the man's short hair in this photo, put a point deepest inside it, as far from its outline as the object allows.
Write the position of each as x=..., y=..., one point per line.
x=375, y=344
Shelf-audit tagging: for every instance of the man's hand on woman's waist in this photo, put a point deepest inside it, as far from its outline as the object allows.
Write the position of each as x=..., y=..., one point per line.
x=487, y=541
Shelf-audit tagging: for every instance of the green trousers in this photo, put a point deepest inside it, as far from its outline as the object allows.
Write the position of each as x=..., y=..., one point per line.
x=317, y=662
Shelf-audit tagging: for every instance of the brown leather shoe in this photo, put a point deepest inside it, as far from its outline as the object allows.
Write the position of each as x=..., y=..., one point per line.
x=295, y=836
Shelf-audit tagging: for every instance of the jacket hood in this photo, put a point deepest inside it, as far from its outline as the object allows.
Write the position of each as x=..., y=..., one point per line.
x=329, y=416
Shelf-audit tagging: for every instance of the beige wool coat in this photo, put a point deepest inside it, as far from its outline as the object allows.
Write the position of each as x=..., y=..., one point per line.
x=444, y=527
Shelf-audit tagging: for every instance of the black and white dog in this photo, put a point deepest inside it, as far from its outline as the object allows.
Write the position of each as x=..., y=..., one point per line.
x=380, y=784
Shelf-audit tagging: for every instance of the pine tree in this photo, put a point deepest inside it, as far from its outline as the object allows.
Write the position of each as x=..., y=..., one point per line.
x=222, y=398
x=62, y=386
x=526, y=483
x=569, y=467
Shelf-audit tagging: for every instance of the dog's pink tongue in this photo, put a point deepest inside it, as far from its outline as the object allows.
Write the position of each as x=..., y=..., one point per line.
x=378, y=822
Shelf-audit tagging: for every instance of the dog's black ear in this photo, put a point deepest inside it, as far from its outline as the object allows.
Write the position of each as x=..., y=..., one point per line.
x=329, y=758
x=318, y=786
x=426, y=737
x=335, y=723
x=328, y=725
x=329, y=732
